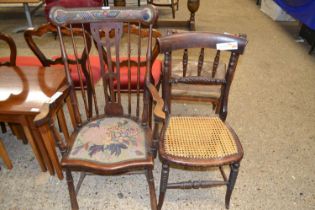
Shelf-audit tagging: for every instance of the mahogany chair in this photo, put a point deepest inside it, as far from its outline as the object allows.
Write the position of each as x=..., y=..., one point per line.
x=34, y=37
x=9, y=61
x=4, y=155
x=166, y=3
x=198, y=141
x=117, y=138
x=209, y=62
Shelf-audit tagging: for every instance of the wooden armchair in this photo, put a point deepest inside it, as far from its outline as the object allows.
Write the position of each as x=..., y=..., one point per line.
x=198, y=141
x=118, y=138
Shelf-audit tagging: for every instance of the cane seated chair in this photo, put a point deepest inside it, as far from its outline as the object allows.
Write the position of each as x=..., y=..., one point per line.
x=208, y=62
x=166, y=3
x=197, y=141
x=118, y=137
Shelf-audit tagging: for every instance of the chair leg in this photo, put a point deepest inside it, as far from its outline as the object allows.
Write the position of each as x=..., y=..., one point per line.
x=173, y=9
x=4, y=155
x=150, y=180
x=163, y=184
x=73, y=196
x=3, y=128
x=231, y=183
x=82, y=176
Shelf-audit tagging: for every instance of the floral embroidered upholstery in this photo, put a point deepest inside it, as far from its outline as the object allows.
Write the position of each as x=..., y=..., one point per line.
x=110, y=140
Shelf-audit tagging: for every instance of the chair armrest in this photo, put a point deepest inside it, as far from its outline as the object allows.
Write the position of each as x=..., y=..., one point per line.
x=52, y=106
x=158, y=109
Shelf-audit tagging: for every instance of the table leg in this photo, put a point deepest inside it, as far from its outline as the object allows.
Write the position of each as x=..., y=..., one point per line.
x=34, y=147
x=28, y=15
x=51, y=149
x=193, y=6
x=4, y=155
x=39, y=142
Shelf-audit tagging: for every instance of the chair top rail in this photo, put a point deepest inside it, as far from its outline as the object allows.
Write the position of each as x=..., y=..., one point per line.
x=62, y=16
x=201, y=40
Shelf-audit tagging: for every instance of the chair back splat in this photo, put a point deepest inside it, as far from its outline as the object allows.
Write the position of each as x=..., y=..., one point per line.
x=116, y=136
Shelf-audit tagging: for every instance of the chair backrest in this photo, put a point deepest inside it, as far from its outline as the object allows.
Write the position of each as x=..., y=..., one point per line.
x=202, y=76
x=111, y=30
x=34, y=37
x=9, y=41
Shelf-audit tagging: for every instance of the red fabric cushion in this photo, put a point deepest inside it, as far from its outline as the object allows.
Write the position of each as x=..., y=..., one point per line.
x=24, y=60
x=156, y=72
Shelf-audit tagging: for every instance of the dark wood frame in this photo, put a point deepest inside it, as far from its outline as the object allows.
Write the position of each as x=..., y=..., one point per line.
x=6, y=38
x=182, y=41
x=113, y=105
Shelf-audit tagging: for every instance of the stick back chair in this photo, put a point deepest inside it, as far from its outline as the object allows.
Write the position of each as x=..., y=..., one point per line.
x=212, y=62
x=118, y=137
x=166, y=3
x=198, y=141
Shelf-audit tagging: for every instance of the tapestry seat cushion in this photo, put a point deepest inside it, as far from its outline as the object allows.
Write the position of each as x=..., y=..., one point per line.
x=110, y=140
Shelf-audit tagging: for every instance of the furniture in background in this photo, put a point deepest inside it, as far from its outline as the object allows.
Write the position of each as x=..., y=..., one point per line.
x=198, y=141
x=166, y=3
x=302, y=10
x=118, y=139
x=37, y=37
x=23, y=92
x=11, y=58
x=27, y=10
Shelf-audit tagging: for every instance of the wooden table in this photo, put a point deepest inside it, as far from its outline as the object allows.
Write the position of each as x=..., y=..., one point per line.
x=23, y=91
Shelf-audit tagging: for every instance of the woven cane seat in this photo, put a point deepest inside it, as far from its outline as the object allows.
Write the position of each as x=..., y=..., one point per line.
x=201, y=91
x=199, y=138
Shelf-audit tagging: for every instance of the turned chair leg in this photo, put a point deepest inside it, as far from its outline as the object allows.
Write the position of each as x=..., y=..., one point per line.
x=150, y=180
x=231, y=183
x=73, y=196
x=163, y=184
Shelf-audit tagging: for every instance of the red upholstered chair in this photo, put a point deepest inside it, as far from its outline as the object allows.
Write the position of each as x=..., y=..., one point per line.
x=38, y=37
x=70, y=4
x=41, y=31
